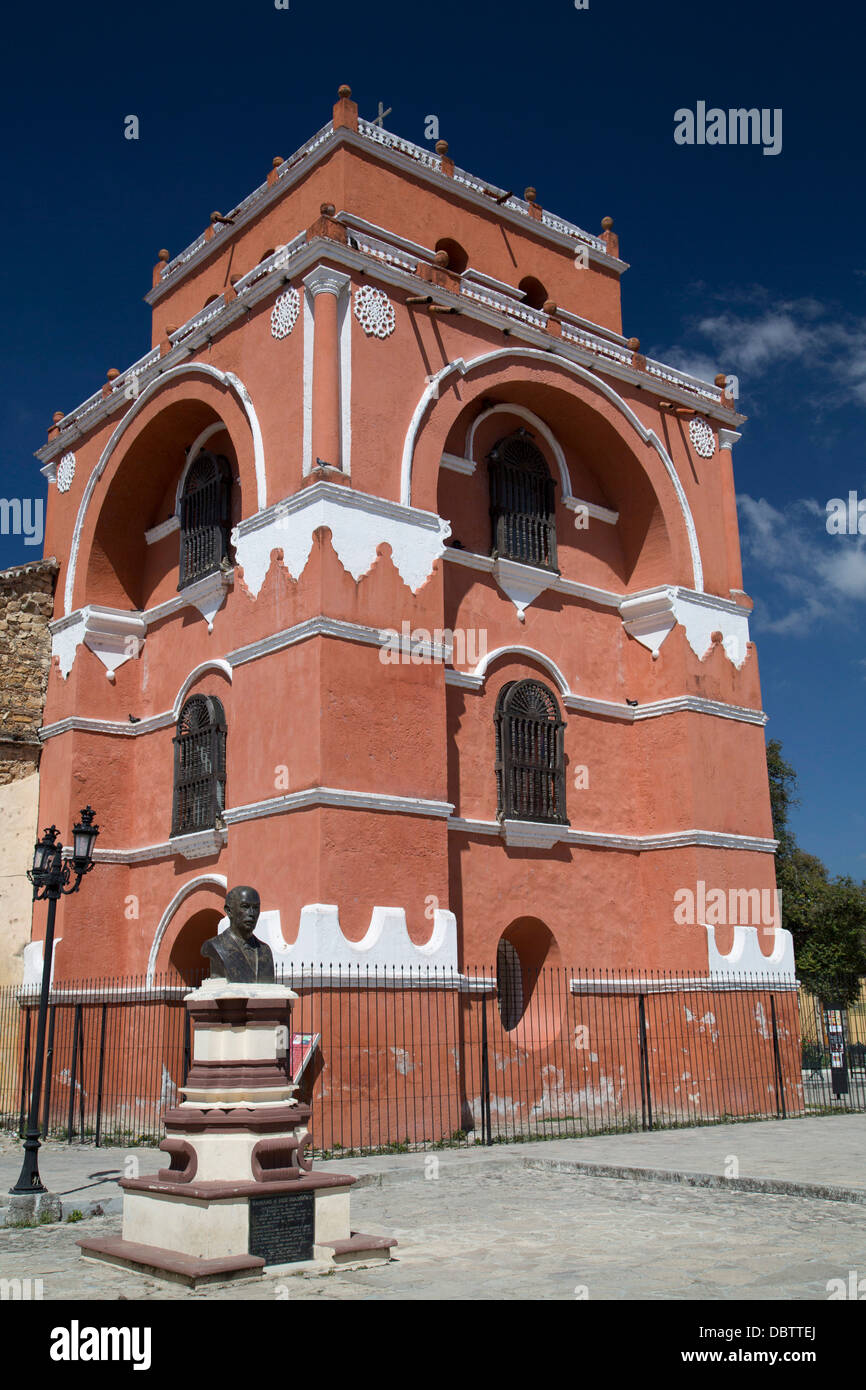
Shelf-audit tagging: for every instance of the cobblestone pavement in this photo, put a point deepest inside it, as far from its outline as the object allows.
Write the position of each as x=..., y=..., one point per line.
x=502, y=1231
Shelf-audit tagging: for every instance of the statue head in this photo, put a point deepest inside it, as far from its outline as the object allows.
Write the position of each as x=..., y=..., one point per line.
x=243, y=906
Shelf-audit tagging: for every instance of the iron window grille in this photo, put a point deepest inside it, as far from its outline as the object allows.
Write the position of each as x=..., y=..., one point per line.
x=205, y=512
x=509, y=984
x=522, y=504
x=199, y=766
x=530, y=754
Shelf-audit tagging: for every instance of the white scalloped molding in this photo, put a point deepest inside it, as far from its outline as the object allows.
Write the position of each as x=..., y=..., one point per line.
x=116, y=634
x=649, y=617
x=33, y=957
x=746, y=956
x=66, y=636
x=112, y=635
x=358, y=523
x=385, y=945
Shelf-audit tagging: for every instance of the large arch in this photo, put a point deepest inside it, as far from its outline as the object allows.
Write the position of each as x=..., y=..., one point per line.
x=431, y=394
x=227, y=380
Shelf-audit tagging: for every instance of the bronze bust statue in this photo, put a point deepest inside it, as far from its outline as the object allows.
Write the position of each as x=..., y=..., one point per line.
x=237, y=955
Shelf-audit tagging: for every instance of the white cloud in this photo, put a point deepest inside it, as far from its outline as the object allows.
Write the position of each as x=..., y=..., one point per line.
x=758, y=336
x=816, y=576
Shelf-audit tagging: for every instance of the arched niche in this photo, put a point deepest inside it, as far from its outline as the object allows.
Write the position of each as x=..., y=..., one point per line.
x=177, y=404
x=197, y=904
x=185, y=959
x=529, y=983
x=591, y=459
x=122, y=570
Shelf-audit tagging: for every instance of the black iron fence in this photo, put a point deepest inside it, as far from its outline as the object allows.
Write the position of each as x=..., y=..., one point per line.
x=396, y=1059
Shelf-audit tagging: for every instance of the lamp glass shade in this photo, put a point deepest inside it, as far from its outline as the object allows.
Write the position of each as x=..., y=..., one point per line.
x=41, y=856
x=83, y=836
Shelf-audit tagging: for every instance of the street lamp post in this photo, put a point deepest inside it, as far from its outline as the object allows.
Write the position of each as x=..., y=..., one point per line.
x=50, y=877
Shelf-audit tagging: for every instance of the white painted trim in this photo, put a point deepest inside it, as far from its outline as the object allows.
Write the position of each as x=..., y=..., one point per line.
x=674, y=839
x=504, y=408
x=165, y=528
x=307, y=411
x=203, y=880
x=173, y=374
x=485, y=563
x=198, y=844
x=746, y=956
x=557, y=360
x=639, y=984
x=528, y=834
x=455, y=464
x=217, y=664
x=698, y=704
x=369, y=636
x=531, y=654
x=728, y=438
x=103, y=629
x=648, y=615
x=386, y=944
x=210, y=841
x=258, y=284
x=338, y=796
x=344, y=328
x=325, y=279
x=358, y=521
x=593, y=509
x=81, y=724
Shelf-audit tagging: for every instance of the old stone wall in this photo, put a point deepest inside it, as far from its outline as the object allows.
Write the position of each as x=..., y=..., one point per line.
x=26, y=605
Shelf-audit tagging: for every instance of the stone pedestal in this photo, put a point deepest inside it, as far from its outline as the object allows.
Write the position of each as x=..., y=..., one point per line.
x=239, y=1195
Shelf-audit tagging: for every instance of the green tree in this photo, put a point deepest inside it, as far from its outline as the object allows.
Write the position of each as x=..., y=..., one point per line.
x=826, y=917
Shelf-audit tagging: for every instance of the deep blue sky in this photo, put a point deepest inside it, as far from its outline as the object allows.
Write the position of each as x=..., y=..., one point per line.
x=750, y=263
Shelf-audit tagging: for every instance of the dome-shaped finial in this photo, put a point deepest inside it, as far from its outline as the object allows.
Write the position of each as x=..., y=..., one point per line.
x=606, y=224
x=344, y=92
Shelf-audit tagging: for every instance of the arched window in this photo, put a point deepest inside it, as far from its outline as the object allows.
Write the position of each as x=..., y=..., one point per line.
x=204, y=518
x=522, y=507
x=199, y=765
x=530, y=754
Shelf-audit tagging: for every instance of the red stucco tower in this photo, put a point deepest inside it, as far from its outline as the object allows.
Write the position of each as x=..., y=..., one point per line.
x=396, y=581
